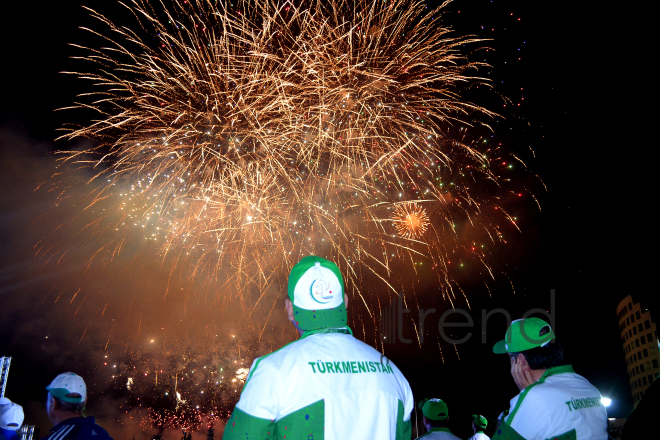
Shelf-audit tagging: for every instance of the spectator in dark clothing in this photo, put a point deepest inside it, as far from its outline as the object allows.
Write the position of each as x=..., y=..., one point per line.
x=67, y=396
x=640, y=422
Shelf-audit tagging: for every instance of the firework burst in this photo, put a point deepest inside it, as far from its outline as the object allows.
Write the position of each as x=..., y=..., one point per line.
x=261, y=132
x=410, y=220
x=240, y=138
x=236, y=139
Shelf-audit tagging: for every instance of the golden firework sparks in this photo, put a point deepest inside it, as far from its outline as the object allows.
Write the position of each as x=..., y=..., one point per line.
x=410, y=220
x=257, y=133
x=236, y=139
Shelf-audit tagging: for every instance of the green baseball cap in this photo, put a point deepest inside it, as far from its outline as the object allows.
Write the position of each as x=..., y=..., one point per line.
x=316, y=289
x=435, y=409
x=479, y=421
x=524, y=334
x=421, y=403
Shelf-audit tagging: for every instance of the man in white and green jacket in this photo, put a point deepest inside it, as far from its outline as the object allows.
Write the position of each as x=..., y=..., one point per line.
x=436, y=416
x=479, y=424
x=327, y=385
x=554, y=402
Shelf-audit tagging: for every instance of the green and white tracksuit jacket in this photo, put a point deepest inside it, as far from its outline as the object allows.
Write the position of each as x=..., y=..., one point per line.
x=562, y=405
x=439, y=434
x=327, y=385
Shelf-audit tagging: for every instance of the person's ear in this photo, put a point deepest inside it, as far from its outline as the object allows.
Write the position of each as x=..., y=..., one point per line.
x=288, y=305
x=346, y=300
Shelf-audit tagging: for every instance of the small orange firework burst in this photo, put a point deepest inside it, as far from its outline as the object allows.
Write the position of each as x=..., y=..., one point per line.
x=410, y=220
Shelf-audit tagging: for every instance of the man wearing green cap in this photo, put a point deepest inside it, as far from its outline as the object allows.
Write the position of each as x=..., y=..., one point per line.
x=435, y=418
x=479, y=424
x=327, y=385
x=554, y=402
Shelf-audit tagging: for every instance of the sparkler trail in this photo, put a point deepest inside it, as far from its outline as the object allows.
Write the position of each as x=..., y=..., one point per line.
x=238, y=139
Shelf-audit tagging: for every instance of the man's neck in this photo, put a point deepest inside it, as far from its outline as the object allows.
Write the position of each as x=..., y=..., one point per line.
x=430, y=427
x=59, y=417
x=537, y=374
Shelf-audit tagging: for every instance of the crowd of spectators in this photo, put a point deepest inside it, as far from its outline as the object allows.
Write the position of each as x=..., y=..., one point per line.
x=329, y=385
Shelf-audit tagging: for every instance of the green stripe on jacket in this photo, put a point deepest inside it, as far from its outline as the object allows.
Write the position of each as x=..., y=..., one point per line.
x=307, y=423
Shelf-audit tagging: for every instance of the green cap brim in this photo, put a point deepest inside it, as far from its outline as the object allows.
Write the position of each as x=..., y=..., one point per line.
x=61, y=393
x=309, y=320
x=500, y=347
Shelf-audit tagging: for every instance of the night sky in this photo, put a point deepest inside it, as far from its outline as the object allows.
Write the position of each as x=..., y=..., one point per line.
x=568, y=72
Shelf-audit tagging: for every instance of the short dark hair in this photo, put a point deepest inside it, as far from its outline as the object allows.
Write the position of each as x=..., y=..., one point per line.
x=538, y=358
x=436, y=423
x=63, y=406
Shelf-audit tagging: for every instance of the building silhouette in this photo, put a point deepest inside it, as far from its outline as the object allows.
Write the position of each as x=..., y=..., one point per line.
x=639, y=335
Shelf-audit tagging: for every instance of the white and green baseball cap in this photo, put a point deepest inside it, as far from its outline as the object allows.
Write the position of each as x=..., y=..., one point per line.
x=316, y=289
x=524, y=334
x=68, y=387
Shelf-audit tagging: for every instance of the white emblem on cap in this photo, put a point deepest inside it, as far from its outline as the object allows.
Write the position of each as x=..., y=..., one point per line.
x=320, y=292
